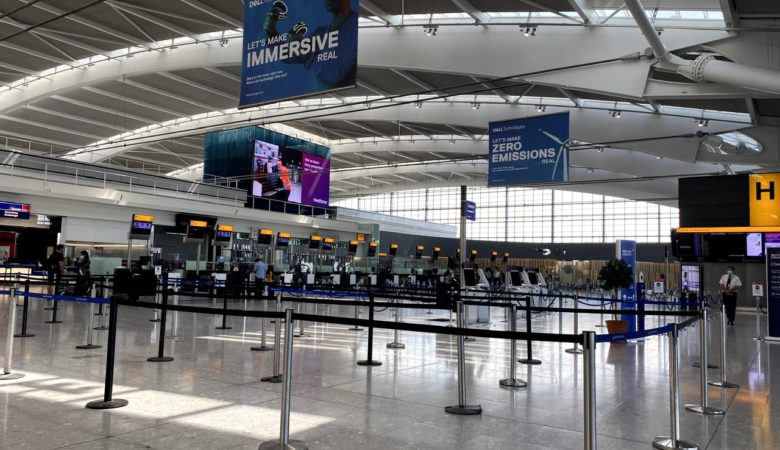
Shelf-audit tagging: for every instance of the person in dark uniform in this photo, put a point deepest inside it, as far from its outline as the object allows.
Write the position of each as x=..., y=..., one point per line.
x=56, y=266
x=729, y=284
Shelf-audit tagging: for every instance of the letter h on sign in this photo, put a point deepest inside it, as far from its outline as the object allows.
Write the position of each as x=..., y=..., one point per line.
x=770, y=190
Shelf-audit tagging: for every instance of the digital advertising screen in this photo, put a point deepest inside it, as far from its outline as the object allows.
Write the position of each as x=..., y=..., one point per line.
x=286, y=174
x=755, y=244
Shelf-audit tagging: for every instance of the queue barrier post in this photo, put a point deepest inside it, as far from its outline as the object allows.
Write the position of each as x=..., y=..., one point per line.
x=723, y=383
x=589, y=388
x=560, y=313
x=89, y=345
x=9, y=340
x=576, y=350
x=462, y=408
x=357, y=317
x=163, y=319
x=175, y=318
x=704, y=408
x=673, y=441
x=466, y=323
x=157, y=299
x=301, y=307
x=262, y=347
x=529, y=356
x=369, y=361
x=513, y=382
x=109, y=402
x=284, y=442
x=396, y=344
x=758, y=336
x=224, y=308
x=25, y=307
x=276, y=377
x=54, y=309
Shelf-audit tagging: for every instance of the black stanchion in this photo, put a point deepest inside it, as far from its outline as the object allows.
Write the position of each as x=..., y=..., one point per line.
x=529, y=357
x=24, y=333
x=108, y=401
x=224, y=308
x=370, y=361
x=163, y=318
x=54, y=313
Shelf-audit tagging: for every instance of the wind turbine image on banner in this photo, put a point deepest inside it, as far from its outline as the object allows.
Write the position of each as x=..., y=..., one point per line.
x=563, y=145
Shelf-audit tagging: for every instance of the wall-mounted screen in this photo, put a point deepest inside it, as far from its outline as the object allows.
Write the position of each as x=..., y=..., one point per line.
x=314, y=242
x=265, y=237
x=327, y=244
x=283, y=239
x=223, y=236
x=372, y=249
x=141, y=228
x=352, y=249
x=287, y=174
x=14, y=210
x=755, y=244
x=772, y=239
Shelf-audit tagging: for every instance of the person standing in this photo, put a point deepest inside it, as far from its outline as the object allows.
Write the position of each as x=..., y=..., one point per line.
x=729, y=283
x=260, y=271
x=56, y=267
x=83, y=270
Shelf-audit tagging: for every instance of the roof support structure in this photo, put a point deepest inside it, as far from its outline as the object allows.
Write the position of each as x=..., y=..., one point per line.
x=232, y=21
x=474, y=13
x=379, y=12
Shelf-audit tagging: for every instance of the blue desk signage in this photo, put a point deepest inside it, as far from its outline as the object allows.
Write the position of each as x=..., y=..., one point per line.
x=626, y=251
x=15, y=210
x=529, y=151
x=297, y=48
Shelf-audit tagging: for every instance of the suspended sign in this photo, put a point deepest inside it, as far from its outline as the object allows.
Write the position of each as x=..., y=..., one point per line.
x=471, y=211
x=529, y=151
x=15, y=210
x=297, y=48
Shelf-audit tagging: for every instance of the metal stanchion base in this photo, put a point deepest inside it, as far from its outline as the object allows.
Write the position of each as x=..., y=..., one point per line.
x=47, y=309
x=101, y=328
x=160, y=359
x=273, y=379
x=100, y=404
x=709, y=366
x=154, y=320
x=53, y=321
x=758, y=338
x=530, y=362
x=723, y=384
x=11, y=376
x=291, y=445
x=299, y=335
x=261, y=349
x=464, y=410
x=369, y=363
x=88, y=347
x=396, y=345
x=24, y=335
x=174, y=338
x=599, y=326
x=666, y=443
x=707, y=411
x=574, y=351
x=355, y=329
x=223, y=328
x=513, y=383
x=469, y=339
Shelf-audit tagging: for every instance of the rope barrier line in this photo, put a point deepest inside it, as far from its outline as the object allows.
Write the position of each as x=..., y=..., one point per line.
x=545, y=337
x=603, y=338
x=67, y=298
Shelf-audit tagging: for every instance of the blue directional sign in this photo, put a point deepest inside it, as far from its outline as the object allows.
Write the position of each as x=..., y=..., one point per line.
x=532, y=150
x=471, y=211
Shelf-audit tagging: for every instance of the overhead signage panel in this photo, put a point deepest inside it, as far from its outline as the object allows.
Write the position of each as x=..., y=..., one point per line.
x=529, y=151
x=297, y=48
x=765, y=199
x=15, y=210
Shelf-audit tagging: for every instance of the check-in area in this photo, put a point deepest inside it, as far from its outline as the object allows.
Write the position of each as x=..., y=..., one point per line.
x=386, y=224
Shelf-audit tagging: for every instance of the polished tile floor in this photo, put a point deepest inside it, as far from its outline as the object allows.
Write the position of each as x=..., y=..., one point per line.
x=210, y=397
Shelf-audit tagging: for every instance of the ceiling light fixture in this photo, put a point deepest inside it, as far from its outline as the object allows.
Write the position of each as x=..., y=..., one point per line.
x=528, y=31
x=616, y=113
x=659, y=157
x=418, y=105
x=702, y=122
x=541, y=108
x=430, y=30
x=475, y=105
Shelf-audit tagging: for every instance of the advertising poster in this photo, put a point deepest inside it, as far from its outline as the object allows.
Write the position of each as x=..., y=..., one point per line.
x=281, y=173
x=296, y=48
x=773, y=292
x=626, y=251
x=529, y=151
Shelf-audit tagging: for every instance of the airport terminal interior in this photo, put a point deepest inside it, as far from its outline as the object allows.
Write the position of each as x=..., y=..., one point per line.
x=389, y=224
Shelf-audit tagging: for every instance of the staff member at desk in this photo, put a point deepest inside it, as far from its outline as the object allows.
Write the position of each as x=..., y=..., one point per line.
x=260, y=271
x=729, y=283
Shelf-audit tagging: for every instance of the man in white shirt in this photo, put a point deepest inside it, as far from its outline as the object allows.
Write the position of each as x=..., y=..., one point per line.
x=729, y=284
x=260, y=272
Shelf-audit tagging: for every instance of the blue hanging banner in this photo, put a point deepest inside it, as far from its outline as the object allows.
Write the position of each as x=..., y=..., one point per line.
x=529, y=151
x=471, y=211
x=626, y=251
x=773, y=292
x=297, y=48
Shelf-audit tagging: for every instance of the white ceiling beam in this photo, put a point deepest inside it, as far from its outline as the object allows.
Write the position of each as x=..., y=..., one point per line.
x=730, y=16
x=222, y=73
x=401, y=177
x=568, y=94
x=435, y=177
x=20, y=69
x=37, y=54
x=26, y=138
x=494, y=90
x=165, y=93
x=474, y=13
x=133, y=101
x=401, y=155
x=232, y=21
x=368, y=128
x=56, y=35
x=48, y=126
x=185, y=159
x=374, y=89
x=585, y=10
x=102, y=109
x=413, y=129
x=131, y=22
x=752, y=110
x=414, y=80
x=92, y=24
x=130, y=9
x=550, y=10
x=197, y=85
x=345, y=161
x=379, y=12
x=354, y=184
x=377, y=180
x=76, y=118
x=460, y=130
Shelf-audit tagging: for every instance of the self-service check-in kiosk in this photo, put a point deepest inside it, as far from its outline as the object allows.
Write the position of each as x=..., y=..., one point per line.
x=477, y=288
x=141, y=229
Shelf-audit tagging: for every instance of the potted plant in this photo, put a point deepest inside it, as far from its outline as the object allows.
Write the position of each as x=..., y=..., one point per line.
x=614, y=276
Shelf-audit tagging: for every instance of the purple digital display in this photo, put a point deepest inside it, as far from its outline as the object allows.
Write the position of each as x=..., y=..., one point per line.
x=224, y=235
x=315, y=181
x=772, y=238
x=142, y=225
